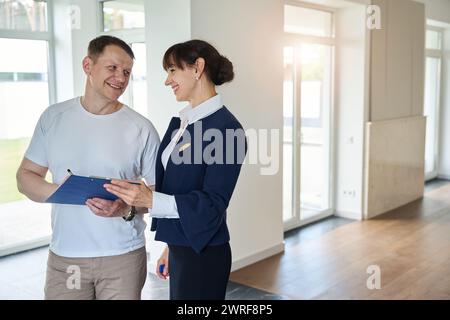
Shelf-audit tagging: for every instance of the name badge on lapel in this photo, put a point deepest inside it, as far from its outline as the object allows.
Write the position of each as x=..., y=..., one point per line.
x=184, y=147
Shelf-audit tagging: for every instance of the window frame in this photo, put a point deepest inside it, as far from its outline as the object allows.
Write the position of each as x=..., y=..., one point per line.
x=49, y=37
x=293, y=40
x=132, y=32
x=441, y=37
x=43, y=36
x=329, y=40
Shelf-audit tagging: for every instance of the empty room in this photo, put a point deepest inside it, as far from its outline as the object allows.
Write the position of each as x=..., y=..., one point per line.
x=310, y=141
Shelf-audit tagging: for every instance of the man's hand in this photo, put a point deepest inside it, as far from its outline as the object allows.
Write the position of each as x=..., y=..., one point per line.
x=108, y=208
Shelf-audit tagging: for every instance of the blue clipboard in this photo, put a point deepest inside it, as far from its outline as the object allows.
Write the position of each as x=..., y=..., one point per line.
x=77, y=189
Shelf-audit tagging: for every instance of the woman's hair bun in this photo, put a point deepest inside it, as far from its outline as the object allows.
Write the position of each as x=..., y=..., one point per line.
x=225, y=71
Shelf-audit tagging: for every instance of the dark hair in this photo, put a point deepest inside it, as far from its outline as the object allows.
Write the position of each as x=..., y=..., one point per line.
x=97, y=45
x=217, y=67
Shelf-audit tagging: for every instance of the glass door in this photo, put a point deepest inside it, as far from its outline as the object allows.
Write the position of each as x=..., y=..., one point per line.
x=307, y=115
x=315, y=92
x=307, y=90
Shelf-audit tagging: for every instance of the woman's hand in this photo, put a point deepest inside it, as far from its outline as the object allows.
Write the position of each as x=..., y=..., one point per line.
x=132, y=194
x=163, y=260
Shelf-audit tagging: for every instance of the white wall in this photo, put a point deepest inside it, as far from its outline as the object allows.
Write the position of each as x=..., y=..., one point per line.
x=251, y=38
x=350, y=108
x=166, y=23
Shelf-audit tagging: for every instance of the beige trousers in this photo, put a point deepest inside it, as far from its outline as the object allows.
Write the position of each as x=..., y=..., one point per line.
x=119, y=277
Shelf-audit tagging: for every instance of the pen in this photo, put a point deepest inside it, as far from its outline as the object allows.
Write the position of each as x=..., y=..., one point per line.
x=70, y=172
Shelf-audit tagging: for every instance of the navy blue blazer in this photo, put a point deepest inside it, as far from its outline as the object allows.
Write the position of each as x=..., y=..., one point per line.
x=202, y=190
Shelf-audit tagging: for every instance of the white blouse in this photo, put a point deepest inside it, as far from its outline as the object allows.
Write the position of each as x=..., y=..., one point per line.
x=164, y=206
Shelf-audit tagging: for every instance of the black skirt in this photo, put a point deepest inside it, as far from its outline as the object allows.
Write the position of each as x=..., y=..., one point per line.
x=201, y=276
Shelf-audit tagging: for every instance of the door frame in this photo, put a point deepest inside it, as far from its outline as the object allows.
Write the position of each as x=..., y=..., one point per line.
x=438, y=54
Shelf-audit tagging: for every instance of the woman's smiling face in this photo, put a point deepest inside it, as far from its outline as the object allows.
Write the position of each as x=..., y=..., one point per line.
x=182, y=81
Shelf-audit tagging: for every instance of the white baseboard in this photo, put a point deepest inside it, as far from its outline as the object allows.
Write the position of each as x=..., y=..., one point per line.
x=253, y=258
x=444, y=176
x=25, y=245
x=298, y=224
x=349, y=215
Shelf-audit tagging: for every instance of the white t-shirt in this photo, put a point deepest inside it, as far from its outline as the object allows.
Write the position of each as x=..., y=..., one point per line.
x=121, y=145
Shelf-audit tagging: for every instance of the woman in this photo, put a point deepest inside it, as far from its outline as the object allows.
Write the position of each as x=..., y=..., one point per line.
x=199, y=161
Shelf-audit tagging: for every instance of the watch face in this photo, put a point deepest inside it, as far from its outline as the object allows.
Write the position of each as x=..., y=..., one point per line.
x=130, y=214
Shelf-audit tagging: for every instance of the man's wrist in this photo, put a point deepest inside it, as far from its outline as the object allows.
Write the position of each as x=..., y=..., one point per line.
x=130, y=214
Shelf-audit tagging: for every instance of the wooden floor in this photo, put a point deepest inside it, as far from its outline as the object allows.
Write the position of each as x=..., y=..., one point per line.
x=411, y=245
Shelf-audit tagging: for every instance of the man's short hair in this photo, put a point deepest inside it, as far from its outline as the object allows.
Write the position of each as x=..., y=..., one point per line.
x=97, y=45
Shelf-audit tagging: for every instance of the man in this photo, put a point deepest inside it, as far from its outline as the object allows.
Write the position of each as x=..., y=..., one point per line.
x=98, y=250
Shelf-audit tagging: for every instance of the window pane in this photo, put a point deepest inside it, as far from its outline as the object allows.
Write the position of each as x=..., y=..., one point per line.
x=123, y=14
x=315, y=91
x=30, y=15
x=433, y=39
x=23, y=86
x=24, y=96
x=307, y=21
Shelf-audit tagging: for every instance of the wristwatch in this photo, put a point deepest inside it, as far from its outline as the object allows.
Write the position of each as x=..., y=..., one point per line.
x=130, y=214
